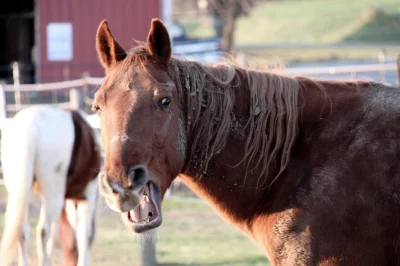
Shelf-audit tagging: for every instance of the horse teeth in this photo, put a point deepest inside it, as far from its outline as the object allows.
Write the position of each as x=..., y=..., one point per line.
x=148, y=219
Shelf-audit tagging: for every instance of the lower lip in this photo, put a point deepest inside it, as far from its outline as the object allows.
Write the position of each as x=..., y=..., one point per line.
x=140, y=227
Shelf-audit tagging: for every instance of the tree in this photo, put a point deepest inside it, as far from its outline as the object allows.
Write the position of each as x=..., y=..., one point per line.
x=224, y=14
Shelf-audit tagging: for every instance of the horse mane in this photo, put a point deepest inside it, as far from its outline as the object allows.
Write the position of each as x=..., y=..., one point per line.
x=208, y=94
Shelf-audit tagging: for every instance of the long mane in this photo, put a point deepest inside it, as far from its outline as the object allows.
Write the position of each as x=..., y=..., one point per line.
x=270, y=128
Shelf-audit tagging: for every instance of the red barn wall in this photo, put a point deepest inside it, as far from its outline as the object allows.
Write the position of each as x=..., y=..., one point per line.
x=128, y=20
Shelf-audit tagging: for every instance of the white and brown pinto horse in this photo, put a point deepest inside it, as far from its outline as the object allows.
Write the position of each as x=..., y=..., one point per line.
x=55, y=153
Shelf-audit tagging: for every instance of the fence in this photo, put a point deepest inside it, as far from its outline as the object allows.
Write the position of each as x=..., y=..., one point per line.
x=81, y=86
x=79, y=89
x=352, y=70
x=377, y=71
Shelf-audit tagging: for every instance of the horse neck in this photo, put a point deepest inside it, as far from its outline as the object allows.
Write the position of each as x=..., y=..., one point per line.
x=224, y=134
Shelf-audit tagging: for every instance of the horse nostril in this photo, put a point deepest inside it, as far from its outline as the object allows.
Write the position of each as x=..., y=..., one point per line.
x=138, y=176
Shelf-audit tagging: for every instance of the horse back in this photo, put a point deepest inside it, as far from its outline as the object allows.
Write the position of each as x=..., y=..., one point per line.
x=342, y=186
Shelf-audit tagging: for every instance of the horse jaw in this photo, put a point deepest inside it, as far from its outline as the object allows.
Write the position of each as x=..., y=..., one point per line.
x=147, y=214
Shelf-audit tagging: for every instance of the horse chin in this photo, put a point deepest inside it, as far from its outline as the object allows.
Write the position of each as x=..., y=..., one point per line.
x=147, y=215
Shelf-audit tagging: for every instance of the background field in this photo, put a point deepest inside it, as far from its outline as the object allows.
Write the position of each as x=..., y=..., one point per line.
x=191, y=234
x=344, y=22
x=312, y=21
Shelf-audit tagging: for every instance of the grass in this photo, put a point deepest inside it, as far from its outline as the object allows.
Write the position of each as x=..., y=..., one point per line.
x=191, y=234
x=320, y=21
x=313, y=21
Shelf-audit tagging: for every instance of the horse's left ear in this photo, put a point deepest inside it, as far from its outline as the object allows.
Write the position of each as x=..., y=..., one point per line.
x=158, y=42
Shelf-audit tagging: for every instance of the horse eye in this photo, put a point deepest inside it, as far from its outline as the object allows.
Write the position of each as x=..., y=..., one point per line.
x=164, y=103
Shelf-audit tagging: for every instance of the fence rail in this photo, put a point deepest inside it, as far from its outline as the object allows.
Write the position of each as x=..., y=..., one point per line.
x=348, y=69
x=46, y=86
x=343, y=69
x=13, y=108
x=78, y=97
x=316, y=46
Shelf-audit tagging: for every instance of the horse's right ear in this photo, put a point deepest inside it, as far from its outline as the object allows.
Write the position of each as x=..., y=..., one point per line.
x=158, y=42
x=108, y=49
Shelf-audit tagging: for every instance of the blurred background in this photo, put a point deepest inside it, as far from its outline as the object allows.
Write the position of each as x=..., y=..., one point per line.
x=47, y=56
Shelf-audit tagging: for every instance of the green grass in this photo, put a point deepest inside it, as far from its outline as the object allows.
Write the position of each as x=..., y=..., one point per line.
x=313, y=21
x=191, y=234
x=321, y=21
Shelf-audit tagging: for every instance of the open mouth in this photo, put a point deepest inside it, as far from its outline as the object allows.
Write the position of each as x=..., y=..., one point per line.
x=147, y=215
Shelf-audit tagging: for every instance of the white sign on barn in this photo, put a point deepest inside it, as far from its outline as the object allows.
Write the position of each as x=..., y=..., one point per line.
x=59, y=41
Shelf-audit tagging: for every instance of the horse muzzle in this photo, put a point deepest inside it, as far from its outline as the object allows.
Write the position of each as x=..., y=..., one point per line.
x=139, y=203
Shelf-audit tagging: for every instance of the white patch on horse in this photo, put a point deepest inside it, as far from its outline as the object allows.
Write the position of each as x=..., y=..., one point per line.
x=119, y=137
x=124, y=137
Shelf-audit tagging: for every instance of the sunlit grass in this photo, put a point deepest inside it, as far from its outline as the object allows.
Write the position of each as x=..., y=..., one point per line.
x=313, y=21
x=310, y=21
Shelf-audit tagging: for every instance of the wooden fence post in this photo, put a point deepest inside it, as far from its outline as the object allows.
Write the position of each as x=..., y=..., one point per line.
x=86, y=94
x=3, y=104
x=382, y=61
x=76, y=99
x=148, y=256
x=16, y=81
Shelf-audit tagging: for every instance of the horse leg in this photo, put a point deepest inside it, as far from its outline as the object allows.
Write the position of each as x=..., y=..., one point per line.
x=52, y=205
x=86, y=211
x=18, y=180
x=16, y=232
x=24, y=242
x=53, y=232
x=51, y=173
x=68, y=241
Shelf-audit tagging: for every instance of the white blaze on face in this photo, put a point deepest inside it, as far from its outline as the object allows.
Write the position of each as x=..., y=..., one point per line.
x=119, y=138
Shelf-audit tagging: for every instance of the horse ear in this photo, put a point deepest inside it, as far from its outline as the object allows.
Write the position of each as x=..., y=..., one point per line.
x=108, y=49
x=158, y=42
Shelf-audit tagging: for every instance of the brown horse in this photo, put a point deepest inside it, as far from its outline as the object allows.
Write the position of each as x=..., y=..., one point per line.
x=309, y=169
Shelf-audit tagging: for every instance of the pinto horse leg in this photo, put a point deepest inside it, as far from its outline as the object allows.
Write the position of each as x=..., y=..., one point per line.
x=50, y=211
x=24, y=241
x=67, y=241
x=16, y=232
x=53, y=232
x=17, y=158
x=52, y=205
x=86, y=222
